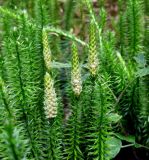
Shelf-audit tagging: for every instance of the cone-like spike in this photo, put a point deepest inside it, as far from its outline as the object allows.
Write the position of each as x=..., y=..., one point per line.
x=46, y=49
x=50, y=99
x=76, y=73
x=93, y=57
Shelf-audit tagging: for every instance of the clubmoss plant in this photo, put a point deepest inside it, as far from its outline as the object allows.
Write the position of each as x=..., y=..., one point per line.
x=46, y=49
x=39, y=84
x=50, y=99
x=92, y=56
x=75, y=73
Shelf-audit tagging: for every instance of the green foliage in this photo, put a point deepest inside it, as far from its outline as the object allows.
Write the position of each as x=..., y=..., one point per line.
x=135, y=26
x=98, y=148
x=72, y=132
x=99, y=97
x=69, y=13
x=13, y=144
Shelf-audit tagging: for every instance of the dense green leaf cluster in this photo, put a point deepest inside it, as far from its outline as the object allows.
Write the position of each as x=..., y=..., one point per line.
x=110, y=67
